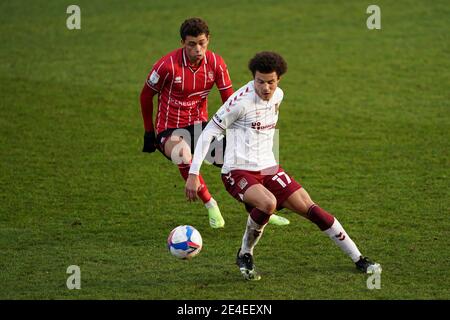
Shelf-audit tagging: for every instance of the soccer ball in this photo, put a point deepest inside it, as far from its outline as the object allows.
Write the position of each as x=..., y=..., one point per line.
x=184, y=242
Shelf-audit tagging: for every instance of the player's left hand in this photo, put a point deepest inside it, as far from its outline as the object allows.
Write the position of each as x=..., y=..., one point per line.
x=149, y=142
x=192, y=187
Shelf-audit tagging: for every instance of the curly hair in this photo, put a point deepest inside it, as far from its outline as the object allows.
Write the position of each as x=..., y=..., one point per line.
x=193, y=27
x=267, y=62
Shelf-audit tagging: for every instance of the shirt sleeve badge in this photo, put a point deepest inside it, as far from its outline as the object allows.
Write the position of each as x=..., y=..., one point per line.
x=154, y=78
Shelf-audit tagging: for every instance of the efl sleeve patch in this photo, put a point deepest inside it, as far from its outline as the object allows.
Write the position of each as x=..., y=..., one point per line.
x=154, y=78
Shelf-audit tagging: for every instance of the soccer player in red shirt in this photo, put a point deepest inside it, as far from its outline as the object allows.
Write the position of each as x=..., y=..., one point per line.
x=182, y=80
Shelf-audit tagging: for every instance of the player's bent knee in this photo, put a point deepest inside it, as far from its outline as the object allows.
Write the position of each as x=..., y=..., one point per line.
x=179, y=151
x=269, y=206
x=185, y=155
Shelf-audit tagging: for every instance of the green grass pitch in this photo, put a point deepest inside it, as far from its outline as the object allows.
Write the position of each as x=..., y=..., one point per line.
x=364, y=127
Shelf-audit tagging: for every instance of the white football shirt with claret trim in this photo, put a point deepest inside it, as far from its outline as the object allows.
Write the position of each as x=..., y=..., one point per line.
x=250, y=125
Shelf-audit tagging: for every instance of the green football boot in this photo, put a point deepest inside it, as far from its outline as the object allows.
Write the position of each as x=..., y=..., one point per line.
x=215, y=218
x=278, y=220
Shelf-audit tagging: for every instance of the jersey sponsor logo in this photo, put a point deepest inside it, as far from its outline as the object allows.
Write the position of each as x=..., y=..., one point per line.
x=154, y=78
x=177, y=79
x=190, y=103
x=258, y=126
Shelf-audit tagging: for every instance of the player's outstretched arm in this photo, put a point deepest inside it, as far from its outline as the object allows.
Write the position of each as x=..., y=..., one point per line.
x=193, y=185
x=146, y=99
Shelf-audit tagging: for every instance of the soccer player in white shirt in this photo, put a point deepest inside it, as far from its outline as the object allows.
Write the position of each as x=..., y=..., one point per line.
x=250, y=171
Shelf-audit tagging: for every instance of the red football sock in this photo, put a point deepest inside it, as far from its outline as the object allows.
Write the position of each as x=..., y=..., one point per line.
x=260, y=217
x=320, y=217
x=203, y=194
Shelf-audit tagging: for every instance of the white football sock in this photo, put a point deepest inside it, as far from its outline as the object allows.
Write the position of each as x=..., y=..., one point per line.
x=211, y=203
x=337, y=233
x=253, y=233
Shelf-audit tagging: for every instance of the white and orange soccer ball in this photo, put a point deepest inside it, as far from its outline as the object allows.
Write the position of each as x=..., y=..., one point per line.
x=184, y=242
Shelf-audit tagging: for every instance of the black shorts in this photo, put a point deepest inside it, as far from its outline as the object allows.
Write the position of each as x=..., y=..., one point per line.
x=191, y=134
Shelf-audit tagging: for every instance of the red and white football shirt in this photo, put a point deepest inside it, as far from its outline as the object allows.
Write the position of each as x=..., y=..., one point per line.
x=182, y=90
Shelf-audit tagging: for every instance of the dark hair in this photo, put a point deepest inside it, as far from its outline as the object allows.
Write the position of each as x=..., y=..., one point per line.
x=267, y=62
x=193, y=27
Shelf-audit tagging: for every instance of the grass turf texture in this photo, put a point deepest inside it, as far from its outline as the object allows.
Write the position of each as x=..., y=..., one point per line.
x=364, y=127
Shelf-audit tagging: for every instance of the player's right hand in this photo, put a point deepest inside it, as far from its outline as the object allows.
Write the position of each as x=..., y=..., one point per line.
x=192, y=187
x=149, y=142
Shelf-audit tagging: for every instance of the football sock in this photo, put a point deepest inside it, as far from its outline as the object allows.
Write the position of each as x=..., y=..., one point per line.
x=337, y=233
x=254, y=230
x=203, y=194
x=320, y=217
x=331, y=226
x=211, y=203
x=260, y=217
